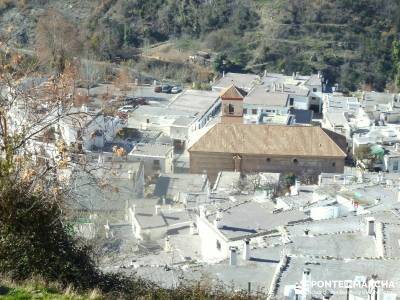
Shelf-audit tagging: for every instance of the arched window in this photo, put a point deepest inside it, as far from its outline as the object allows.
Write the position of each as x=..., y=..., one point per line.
x=295, y=161
x=231, y=109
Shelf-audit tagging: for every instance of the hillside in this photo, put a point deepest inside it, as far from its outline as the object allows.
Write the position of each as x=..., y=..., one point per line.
x=350, y=41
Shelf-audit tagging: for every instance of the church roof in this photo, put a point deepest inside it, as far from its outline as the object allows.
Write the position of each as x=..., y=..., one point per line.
x=233, y=93
x=278, y=140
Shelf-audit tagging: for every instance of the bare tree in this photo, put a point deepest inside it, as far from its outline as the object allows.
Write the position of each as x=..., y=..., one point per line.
x=90, y=72
x=57, y=40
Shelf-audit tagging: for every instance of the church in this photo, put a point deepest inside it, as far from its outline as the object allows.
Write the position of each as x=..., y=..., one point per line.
x=231, y=145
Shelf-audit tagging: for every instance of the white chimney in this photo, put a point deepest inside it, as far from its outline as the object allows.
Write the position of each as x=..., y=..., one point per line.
x=219, y=214
x=167, y=244
x=233, y=256
x=370, y=230
x=294, y=75
x=294, y=190
x=265, y=73
x=306, y=283
x=217, y=223
x=84, y=108
x=319, y=74
x=223, y=73
x=157, y=209
x=202, y=210
x=107, y=230
x=130, y=175
x=360, y=177
x=246, y=249
x=283, y=87
x=274, y=87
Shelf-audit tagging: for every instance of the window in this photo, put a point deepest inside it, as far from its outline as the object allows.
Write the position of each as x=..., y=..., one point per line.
x=268, y=159
x=147, y=121
x=333, y=164
x=254, y=111
x=313, y=98
x=295, y=161
x=314, y=90
x=218, y=245
x=245, y=111
x=231, y=109
x=291, y=101
x=156, y=164
x=395, y=165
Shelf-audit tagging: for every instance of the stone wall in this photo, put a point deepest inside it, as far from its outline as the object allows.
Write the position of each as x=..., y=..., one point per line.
x=213, y=163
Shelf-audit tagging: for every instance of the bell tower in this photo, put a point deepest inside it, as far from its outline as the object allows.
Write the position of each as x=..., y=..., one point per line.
x=232, y=105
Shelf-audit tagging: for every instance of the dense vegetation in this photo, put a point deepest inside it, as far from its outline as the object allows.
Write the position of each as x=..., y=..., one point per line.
x=350, y=41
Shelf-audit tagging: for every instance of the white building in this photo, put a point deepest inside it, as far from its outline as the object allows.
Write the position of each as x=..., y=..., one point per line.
x=157, y=158
x=232, y=223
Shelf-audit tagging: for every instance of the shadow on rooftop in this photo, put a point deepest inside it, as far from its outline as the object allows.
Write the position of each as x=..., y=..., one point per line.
x=264, y=260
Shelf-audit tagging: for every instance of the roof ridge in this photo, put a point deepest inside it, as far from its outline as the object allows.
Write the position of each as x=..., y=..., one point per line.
x=330, y=138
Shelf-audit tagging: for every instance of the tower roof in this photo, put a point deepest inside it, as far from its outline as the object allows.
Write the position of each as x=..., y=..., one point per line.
x=233, y=93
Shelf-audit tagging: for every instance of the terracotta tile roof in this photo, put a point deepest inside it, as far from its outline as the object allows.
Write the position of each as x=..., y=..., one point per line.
x=271, y=140
x=233, y=93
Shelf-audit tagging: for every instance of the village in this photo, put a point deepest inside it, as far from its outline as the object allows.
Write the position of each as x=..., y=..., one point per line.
x=266, y=182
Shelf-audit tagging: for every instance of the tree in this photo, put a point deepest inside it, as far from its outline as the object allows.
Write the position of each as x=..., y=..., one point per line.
x=396, y=59
x=90, y=72
x=57, y=40
x=364, y=157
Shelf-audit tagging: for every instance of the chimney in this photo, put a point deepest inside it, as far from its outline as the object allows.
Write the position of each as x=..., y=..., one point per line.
x=265, y=73
x=360, y=177
x=167, y=244
x=107, y=230
x=306, y=282
x=130, y=175
x=84, y=108
x=274, y=87
x=296, y=188
x=246, y=249
x=297, y=75
x=397, y=147
x=157, y=209
x=233, y=256
x=370, y=230
x=283, y=87
x=219, y=213
x=294, y=75
x=218, y=222
x=192, y=228
x=223, y=73
x=202, y=210
x=319, y=74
